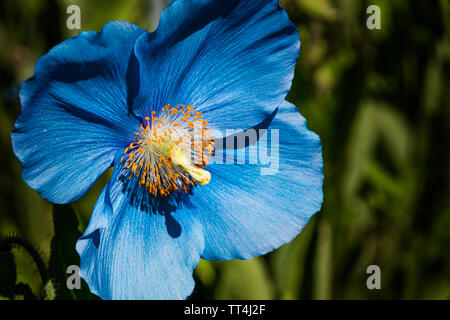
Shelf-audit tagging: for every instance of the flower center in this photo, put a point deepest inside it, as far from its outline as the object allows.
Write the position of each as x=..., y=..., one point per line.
x=170, y=151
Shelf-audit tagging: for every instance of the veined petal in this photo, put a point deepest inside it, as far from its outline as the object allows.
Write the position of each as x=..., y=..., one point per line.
x=148, y=249
x=245, y=213
x=235, y=69
x=182, y=18
x=75, y=113
x=87, y=246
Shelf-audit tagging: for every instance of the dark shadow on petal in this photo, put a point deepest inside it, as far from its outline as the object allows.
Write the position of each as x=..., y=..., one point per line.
x=173, y=227
x=72, y=72
x=139, y=197
x=239, y=143
x=133, y=82
x=240, y=140
x=95, y=236
x=170, y=33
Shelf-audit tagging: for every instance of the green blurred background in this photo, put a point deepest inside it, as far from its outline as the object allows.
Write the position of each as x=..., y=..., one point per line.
x=380, y=101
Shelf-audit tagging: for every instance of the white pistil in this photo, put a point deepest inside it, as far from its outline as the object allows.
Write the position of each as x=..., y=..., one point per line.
x=180, y=159
x=161, y=157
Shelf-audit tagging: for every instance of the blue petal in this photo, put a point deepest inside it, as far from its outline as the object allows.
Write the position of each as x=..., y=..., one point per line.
x=246, y=213
x=75, y=113
x=183, y=18
x=89, y=243
x=235, y=69
x=148, y=248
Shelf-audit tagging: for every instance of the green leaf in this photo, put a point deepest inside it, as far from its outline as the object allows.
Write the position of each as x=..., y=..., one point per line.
x=289, y=263
x=50, y=290
x=23, y=291
x=7, y=274
x=244, y=280
x=63, y=253
x=205, y=272
x=319, y=8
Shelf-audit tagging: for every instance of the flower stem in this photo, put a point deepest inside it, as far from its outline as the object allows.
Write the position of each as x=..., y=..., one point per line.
x=14, y=240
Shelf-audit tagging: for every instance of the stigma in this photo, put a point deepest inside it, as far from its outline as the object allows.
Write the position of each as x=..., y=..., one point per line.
x=170, y=151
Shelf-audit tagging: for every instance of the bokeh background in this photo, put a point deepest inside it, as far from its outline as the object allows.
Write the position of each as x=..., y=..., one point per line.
x=380, y=101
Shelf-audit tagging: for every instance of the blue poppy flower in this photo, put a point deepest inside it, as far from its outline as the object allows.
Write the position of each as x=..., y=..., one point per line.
x=133, y=100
